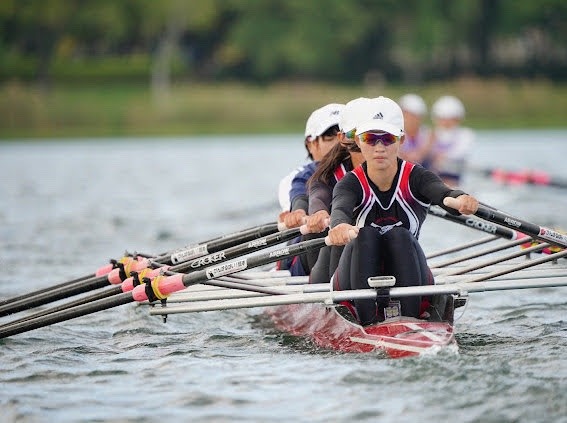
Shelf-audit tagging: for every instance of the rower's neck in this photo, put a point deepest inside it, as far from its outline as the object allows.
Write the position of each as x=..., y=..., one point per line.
x=383, y=178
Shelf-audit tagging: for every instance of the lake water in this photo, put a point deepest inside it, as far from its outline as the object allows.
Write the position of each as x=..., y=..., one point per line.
x=69, y=206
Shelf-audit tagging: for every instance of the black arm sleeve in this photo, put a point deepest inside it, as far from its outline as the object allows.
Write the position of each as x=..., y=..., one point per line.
x=347, y=194
x=300, y=202
x=429, y=188
x=320, y=196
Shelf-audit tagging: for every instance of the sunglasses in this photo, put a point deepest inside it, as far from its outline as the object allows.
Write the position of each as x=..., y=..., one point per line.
x=350, y=134
x=373, y=138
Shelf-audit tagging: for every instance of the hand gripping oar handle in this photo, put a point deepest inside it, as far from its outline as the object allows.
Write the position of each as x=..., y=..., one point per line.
x=540, y=232
x=161, y=287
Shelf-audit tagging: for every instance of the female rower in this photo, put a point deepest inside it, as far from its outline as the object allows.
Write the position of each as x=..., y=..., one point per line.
x=321, y=137
x=417, y=135
x=450, y=143
x=317, y=143
x=383, y=203
x=343, y=158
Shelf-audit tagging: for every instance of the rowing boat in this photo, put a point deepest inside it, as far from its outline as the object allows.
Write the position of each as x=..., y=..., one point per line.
x=329, y=326
x=332, y=326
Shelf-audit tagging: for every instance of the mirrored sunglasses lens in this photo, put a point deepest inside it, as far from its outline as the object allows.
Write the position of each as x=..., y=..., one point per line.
x=372, y=139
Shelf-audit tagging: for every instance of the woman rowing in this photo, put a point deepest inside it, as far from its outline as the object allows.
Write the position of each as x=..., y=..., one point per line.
x=321, y=136
x=383, y=203
x=344, y=157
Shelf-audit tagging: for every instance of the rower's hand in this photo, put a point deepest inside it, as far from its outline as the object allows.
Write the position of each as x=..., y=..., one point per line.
x=293, y=219
x=465, y=203
x=317, y=222
x=342, y=234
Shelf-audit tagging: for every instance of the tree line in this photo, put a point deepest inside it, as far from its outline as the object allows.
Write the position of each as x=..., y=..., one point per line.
x=409, y=41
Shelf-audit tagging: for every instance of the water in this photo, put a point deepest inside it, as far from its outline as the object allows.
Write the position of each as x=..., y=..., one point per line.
x=67, y=207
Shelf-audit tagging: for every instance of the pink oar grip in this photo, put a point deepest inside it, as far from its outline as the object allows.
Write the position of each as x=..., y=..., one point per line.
x=140, y=265
x=104, y=270
x=128, y=284
x=114, y=277
x=167, y=286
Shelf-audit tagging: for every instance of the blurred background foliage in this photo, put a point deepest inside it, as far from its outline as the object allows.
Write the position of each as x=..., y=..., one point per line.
x=146, y=63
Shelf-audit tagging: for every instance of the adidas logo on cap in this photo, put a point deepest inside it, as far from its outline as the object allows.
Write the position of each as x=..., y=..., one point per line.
x=379, y=115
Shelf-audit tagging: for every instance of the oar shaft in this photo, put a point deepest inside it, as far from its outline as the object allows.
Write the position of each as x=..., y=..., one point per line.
x=515, y=223
x=327, y=297
x=236, y=251
x=471, y=222
x=69, y=314
x=91, y=282
x=109, y=292
x=50, y=288
x=176, y=283
x=81, y=287
x=53, y=295
x=192, y=252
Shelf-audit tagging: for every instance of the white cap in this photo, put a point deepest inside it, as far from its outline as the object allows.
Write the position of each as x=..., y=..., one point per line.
x=448, y=107
x=351, y=112
x=381, y=114
x=414, y=104
x=322, y=119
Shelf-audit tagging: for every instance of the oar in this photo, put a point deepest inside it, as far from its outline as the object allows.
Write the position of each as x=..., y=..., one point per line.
x=515, y=223
x=461, y=247
x=484, y=252
x=189, y=252
x=129, y=283
x=480, y=225
x=162, y=286
x=331, y=297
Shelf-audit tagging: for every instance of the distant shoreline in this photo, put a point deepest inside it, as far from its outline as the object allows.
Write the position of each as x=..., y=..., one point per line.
x=108, y=110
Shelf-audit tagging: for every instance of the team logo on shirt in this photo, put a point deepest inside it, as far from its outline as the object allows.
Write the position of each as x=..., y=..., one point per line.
x=385, y=228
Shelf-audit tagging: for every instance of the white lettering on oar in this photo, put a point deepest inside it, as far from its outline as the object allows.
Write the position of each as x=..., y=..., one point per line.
x=279, y=253
x=257, y=243
x=226, y=268
x=483, y=226
x=553, y=236
x=188, y=253
x=512, y=222
x=210, y=259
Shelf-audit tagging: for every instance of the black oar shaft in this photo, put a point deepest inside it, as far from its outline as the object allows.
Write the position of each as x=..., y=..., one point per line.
x=41, y=291
x=247, y=237
x=217, y=244
x=53, y=295
x=112, y=290
x=239, y=265
x=515, y=223
x=91, y=282
x=188, y=279
x=237, y=251
x=471, y=222
x=69, y=314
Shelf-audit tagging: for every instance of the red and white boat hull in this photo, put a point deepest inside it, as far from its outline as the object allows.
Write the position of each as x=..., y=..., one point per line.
x=396, y=338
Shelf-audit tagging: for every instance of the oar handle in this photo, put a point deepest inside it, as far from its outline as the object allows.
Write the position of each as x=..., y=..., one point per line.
x=540, y=232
